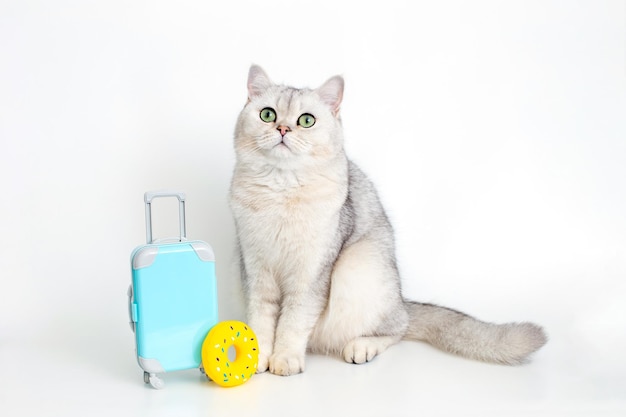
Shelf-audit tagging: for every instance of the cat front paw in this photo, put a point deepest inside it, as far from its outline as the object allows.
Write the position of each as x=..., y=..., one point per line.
x=262, y=363
x=286, y=364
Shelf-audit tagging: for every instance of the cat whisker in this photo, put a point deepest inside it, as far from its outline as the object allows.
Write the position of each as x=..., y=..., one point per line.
x=298, y=144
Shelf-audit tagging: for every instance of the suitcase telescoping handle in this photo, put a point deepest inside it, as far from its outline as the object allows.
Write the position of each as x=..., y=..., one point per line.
x=149, y=196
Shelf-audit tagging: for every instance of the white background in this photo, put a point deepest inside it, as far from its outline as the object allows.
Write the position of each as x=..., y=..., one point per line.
x=495, y=132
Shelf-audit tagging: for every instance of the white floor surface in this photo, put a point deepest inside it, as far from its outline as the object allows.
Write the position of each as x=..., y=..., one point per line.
x=77, y=370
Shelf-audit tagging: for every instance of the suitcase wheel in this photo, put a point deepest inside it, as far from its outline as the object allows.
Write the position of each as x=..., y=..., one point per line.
x=153, y=380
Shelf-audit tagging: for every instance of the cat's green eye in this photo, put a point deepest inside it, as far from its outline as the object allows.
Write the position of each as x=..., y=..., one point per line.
x=268, y=115
x=306, y=120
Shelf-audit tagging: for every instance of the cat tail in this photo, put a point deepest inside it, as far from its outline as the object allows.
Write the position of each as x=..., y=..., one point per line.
x=460, y=334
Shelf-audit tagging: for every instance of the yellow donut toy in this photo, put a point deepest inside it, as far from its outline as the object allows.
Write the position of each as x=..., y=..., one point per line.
x=215, y=360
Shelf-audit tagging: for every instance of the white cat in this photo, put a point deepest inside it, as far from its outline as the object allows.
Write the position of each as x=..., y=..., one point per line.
x=317, y=250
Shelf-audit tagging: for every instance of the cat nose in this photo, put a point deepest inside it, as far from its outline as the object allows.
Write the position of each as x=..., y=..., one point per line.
x=283, y=129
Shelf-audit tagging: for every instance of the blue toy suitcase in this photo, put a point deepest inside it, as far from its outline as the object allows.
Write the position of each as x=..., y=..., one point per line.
x=172, y=298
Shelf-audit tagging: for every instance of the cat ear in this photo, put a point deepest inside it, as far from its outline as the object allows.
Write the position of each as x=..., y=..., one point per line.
x=331, y=93
x=258, y=81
